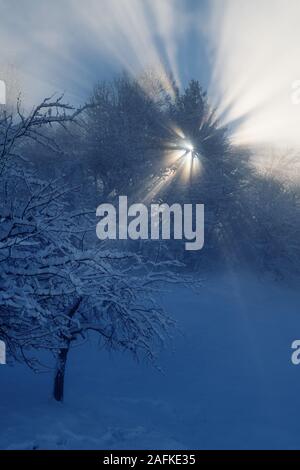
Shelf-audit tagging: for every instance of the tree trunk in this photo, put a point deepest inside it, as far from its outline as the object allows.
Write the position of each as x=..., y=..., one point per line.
x=59, y=380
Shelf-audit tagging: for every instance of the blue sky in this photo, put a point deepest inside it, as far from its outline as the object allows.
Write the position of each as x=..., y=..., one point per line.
x=246, y=53
x=70, y=44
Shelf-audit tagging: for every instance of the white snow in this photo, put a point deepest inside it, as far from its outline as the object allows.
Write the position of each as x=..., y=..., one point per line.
x=229, y=383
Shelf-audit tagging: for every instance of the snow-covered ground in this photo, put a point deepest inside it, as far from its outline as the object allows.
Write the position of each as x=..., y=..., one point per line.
x=229, y=383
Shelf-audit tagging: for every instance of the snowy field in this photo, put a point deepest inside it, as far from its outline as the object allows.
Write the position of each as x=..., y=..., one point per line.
x=229, y=383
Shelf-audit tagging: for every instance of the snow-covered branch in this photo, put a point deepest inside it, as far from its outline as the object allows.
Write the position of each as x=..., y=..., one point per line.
x=15, y=128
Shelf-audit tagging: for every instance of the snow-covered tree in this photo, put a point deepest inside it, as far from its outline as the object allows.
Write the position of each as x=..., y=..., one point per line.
x=58, y=282
x=17, y=128
x=126, y=125
x=24, y=199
